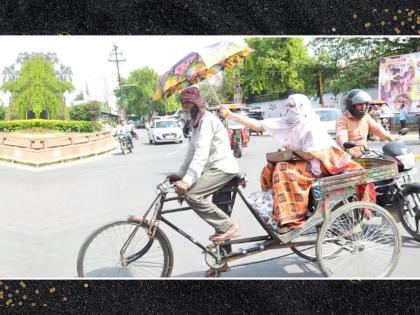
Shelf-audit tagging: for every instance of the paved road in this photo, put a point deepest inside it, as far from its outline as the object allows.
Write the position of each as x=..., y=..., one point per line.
x=46, y=215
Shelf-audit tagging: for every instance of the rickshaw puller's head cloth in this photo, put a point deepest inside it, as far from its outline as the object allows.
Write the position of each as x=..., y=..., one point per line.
x=193, y=95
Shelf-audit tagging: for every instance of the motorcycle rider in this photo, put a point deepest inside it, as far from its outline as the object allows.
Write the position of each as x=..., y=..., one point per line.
x=355, y=124
x=128, y=131
x=124, y=128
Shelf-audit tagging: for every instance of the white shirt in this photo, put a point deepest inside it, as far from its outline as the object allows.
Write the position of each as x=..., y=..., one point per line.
x=209, y=148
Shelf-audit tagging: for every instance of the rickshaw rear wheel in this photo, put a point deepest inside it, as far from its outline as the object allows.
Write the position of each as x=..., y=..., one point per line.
x=353, y=244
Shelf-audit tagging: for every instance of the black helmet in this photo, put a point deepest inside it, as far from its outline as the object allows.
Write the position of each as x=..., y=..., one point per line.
x=354, y=97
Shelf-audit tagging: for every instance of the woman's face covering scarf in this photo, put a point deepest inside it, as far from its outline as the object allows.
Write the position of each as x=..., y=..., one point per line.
x=300, y=128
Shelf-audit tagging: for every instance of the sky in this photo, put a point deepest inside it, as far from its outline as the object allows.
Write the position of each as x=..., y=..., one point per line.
x=88, y=56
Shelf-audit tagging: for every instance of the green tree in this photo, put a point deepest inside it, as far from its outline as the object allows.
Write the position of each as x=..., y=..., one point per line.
x=37, y=86
x=138, y=90
x=277, y=66
x=89, y=111
x=354, y=62
x=2, y=112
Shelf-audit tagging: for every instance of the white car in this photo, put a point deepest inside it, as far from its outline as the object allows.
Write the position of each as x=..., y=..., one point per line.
x=165, y=130
x=328, y=117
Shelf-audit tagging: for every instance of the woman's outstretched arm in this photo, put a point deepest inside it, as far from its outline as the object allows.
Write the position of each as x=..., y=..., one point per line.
x=246, y=121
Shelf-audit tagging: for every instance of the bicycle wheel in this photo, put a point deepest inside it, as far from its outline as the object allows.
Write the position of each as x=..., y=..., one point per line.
x=409, y=211
x=351, y=245
x=102, y=253
x=307, y=252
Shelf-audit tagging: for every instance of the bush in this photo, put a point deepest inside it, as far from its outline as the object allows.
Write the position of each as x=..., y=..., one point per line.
x=86, y=112
x=61, y=125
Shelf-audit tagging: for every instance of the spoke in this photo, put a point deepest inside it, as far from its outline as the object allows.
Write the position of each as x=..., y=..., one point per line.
x=102, y=257
x=356, y=246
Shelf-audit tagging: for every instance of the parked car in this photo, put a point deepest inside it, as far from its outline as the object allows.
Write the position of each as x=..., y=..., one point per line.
x=328, y=117
x=165, y=130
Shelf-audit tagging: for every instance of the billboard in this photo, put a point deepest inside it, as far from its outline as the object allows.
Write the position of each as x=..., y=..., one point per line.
x=399, y=81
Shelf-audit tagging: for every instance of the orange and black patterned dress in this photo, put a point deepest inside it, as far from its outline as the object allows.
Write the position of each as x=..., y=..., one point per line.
x=291, y=182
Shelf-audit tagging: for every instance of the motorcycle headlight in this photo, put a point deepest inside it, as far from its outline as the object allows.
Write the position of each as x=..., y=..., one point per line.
x=407, y=160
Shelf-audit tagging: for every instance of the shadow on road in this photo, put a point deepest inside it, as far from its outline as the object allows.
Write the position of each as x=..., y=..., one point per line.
x=288, y=267
x=410, y=242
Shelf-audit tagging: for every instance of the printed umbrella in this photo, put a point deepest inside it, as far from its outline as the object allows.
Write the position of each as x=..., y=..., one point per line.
x=199, y=66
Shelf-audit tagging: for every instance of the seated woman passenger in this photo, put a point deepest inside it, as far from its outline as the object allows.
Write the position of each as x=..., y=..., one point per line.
x=300, y=131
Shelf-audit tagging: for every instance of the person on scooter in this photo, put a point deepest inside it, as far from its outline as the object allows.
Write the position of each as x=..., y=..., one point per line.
x=208, y=166
x=355, y=124
x=300, y=131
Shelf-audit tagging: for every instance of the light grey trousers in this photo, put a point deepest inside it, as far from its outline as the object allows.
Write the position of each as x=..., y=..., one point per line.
x=198, y=198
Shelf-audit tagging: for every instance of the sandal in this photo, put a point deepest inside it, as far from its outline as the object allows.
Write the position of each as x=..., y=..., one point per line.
x=230, y=233
x=296, y=224
x=283, y=229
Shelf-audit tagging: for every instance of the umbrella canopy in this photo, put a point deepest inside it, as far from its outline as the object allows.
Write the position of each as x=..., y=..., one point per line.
x=199, y=66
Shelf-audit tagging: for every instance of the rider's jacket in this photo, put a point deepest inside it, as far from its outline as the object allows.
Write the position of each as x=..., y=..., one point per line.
x=349, y=128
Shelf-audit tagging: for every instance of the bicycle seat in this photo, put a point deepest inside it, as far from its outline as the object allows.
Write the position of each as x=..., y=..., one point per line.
x=238, y=180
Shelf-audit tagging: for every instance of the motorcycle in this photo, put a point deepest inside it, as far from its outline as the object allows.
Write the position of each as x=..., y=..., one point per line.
x=399, y=195
x=125, y=144
x=187, y=130
x=239, y=138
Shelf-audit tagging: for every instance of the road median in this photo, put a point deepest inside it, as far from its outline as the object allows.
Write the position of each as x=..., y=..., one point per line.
x=46, y=150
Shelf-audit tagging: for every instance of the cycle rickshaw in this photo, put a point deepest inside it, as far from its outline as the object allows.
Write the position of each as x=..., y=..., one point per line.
x=347, y=238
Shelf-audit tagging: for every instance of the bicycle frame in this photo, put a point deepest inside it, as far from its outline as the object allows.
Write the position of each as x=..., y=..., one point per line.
x=271, y=240
x=268, y=237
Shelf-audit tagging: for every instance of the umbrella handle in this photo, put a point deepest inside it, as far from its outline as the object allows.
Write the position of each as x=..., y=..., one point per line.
x=211, y=86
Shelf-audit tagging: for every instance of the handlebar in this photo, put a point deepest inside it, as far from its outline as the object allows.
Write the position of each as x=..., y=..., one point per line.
x=366, y=152
x=166, y=186
x=372, y=154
